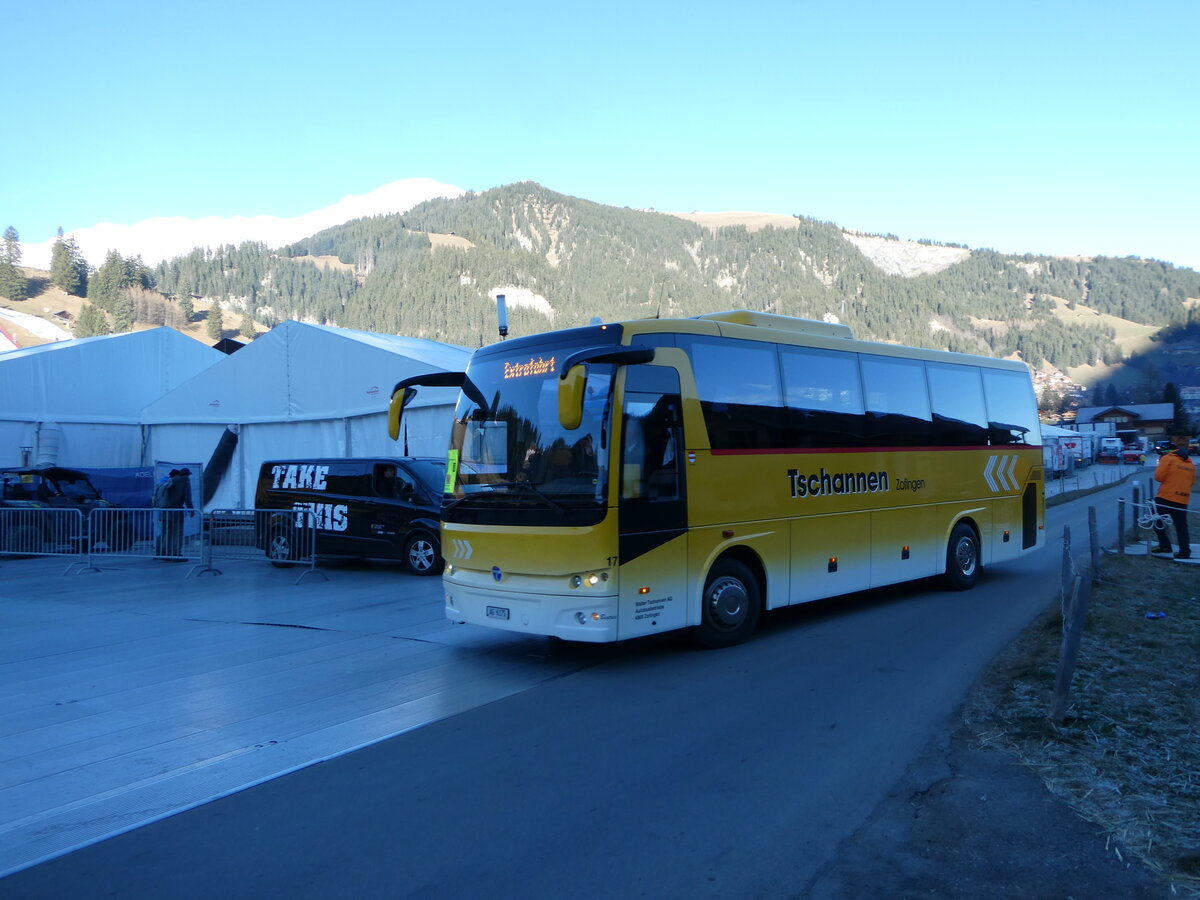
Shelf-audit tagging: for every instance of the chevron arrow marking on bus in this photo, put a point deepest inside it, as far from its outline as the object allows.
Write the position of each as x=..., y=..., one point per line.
x=1000, y=473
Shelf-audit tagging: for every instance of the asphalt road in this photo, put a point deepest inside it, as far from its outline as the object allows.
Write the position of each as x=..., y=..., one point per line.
x=654, y=770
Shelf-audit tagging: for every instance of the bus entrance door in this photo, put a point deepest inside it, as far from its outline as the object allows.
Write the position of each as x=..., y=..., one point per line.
x=653, y=505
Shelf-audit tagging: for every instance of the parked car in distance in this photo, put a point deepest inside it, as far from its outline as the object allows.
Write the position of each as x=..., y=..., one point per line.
x=1132, y=453
x=1161, y=447
x=377, y=508
x=1110, y=448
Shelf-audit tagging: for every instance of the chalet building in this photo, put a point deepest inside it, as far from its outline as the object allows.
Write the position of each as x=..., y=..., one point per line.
x=1152, y=419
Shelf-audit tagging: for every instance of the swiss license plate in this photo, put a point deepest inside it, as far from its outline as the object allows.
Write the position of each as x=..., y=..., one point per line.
x=497, y=612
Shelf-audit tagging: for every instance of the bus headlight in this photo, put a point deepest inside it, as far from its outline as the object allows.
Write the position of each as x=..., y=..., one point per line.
x=589, y=579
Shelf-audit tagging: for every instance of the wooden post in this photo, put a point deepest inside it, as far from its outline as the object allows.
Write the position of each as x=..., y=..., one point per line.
x=1075, y=608
x=1121, y=525
x=1066, y=567
x=1094, y=538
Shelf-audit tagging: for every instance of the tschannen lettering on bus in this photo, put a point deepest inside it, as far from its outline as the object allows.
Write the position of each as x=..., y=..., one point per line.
x=825, y=483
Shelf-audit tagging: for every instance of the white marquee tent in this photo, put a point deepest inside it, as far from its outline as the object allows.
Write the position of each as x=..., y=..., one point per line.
x=304, y=391
x=79, y=402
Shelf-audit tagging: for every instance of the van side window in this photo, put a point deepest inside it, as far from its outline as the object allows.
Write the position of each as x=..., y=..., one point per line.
x=392, y=482
x=349, y=478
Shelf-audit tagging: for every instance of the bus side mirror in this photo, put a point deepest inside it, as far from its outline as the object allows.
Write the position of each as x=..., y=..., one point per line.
x=400, y=399
x=570, y=397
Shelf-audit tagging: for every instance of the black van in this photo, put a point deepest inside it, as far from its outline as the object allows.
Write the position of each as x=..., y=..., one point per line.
x=384, y=508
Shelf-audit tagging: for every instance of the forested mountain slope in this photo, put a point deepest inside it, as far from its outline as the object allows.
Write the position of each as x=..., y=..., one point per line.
x=405, y=274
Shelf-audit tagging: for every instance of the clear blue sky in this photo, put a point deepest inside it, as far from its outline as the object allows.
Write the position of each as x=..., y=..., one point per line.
x=1043, y=127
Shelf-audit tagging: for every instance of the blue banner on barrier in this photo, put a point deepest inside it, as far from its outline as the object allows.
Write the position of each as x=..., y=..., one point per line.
x=131, y=486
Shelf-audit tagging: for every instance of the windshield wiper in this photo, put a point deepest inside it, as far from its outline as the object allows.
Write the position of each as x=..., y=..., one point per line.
x=475, y=495
x=533, y=489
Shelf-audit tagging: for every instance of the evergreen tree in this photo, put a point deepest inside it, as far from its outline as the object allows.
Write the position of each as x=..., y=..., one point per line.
x=1179, y=417
x=105, y=286
x=122, y=312
x=216, y=322
x=186, y=307
x=68, y=268
x=91, y=322
x=13, y=283
x=248, y=329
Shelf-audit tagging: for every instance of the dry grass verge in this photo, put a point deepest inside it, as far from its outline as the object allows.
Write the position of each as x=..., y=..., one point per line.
x=1128, y=755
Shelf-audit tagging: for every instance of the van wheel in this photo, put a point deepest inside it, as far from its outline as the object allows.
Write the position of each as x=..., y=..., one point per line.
x=281, y=547
x=962, y=558
x=423, y=554
x=730, y=605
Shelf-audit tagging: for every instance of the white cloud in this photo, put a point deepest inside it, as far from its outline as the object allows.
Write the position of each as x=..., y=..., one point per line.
x=162, y=238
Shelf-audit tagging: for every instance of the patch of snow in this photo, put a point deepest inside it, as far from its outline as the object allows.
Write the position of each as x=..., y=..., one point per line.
x=47, y=331
x=162, y=238
x=935, y=325
x=906, y=258
x=516, y=296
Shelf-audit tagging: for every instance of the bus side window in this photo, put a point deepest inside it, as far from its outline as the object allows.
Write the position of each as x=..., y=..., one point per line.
x=652, y=437
x=662, y=438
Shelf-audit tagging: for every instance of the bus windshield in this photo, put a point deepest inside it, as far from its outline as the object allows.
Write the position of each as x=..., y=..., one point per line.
x=511, y=460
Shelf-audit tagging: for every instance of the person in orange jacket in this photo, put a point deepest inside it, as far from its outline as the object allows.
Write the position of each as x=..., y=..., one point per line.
x=1175, y=475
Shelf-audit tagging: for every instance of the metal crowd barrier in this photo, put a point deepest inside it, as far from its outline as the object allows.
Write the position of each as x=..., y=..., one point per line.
x=172, y=535
x=42, y=532
x=285, y=537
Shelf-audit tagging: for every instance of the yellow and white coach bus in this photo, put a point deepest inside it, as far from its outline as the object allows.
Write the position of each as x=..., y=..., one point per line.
x=619, y=480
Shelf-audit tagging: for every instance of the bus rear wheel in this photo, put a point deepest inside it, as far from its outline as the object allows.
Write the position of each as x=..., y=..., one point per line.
x=962, y=558
x=730, y=605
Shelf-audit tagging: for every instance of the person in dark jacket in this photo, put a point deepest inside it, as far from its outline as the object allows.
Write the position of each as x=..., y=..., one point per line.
x=174, y=500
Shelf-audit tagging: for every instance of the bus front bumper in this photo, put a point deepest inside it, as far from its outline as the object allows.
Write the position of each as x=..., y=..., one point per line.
x=572, y=617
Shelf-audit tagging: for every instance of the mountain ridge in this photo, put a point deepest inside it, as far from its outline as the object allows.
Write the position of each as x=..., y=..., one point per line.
x=435, y=270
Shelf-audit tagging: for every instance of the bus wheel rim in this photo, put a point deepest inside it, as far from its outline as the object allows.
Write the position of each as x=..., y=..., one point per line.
x=964, y=554
x=727, y=603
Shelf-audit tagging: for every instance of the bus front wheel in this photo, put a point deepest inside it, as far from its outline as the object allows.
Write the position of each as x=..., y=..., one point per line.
x=729, y=606
x=962, y=558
